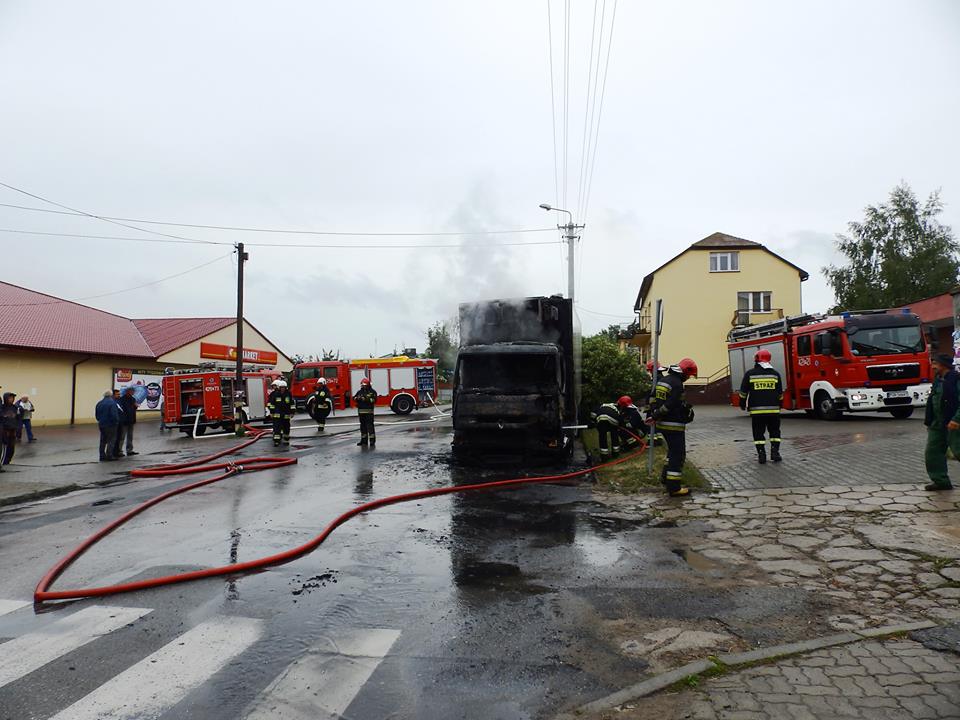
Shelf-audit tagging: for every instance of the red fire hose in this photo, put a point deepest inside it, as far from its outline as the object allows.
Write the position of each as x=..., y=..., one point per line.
x=43, y=592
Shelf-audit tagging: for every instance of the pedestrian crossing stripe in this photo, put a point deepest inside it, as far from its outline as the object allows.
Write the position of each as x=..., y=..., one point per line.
x=24, y=654
x=162, y=679
x=9, y=606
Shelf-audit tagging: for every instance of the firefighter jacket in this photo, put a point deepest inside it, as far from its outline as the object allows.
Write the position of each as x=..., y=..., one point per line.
x=631, y=418
x=761, y=391
x=366, y=399
x=606, y=413
x=280, y=404
x=668, y=405
x=320, y=399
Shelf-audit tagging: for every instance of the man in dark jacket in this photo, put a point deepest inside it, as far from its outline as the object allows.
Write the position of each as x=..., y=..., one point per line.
x=282, y=407
x=118, y=440
x=366, y=400
x=108, y=418
x=320, y=403
x=128, y=412
x=607, y=419
x=761, y=394
x=9, y=424
x=671, y=413
x=943, y=422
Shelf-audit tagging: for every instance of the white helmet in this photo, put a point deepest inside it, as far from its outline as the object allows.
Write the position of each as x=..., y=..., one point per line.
x=321, y=381
x=277, y=383
x=281, y=383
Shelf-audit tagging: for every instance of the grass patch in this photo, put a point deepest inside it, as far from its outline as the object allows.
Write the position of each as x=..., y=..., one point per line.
x=632, y=476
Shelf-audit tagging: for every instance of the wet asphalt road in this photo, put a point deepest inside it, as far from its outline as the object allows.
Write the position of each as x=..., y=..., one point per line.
x=497, y=605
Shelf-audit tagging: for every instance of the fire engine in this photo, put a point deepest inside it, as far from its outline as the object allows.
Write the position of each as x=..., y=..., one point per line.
x=209, y=391
x=869, y=361
x=402, y=383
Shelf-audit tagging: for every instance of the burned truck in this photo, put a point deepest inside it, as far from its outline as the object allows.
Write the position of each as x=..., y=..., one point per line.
x=517, y=380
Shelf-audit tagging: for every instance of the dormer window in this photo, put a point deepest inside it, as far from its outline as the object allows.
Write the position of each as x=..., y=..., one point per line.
x=724, y=262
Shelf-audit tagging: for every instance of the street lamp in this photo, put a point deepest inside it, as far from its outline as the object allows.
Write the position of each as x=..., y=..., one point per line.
x=569, y=230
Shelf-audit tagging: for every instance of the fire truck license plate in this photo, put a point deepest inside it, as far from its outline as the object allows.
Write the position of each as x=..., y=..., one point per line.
x=897, y=393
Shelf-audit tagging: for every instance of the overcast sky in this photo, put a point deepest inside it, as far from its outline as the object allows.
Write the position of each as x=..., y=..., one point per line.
x=776, y=122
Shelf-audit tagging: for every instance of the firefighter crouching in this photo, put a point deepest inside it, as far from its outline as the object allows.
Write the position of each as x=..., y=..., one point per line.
x=671, y=413
x=366, y=400
x=319, y=404
x=281, y=406
x=631, y=421
x=607, y=419
x=761, y=394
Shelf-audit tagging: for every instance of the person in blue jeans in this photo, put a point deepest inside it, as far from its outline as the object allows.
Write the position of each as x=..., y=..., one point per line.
x=108, y=418
x=26, y=418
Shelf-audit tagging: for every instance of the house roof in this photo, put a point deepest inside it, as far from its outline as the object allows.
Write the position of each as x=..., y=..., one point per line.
x=30, y=319
x=715, y=241
x=165, y=334
x=37, y=321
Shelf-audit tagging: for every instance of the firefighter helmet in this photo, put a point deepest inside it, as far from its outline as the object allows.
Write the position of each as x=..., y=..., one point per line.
x=281, y=383
x=276, y=382
x=321, y=381
x=762, y=356
x=365, y=381
x=625, y=401
x=650, y=367
x=688, y=367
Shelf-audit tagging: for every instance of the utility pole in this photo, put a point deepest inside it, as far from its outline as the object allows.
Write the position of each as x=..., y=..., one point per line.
x=238, y=389
x=655, y=375
x=571, y=236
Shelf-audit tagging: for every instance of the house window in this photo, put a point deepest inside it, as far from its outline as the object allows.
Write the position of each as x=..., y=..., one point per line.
x=755, y=302
x=724, y=262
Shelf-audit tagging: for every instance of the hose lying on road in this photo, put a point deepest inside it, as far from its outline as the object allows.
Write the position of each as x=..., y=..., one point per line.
x=43, y=592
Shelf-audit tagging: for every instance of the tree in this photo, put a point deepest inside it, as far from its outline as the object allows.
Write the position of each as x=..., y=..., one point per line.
x=442, y=341
x=613, y=332
x=608, y=373
x=898, y=254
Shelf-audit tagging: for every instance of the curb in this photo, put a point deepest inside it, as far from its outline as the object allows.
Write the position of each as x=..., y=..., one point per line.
x=41, y=494
x=734, y=660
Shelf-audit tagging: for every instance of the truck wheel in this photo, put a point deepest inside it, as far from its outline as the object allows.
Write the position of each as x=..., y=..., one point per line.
x=402, y=405
x=901, y=413
x=825, y=408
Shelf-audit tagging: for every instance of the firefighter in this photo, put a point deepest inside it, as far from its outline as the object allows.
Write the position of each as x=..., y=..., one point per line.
x=366, y=400
x=670, y=412
x=607, y=419
x=320, y=403
x=761, y=394
x=281, y=407
x=631, y=421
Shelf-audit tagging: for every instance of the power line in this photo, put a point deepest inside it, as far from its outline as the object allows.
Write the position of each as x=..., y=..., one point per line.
x=553, y=108
x=586, y=106
x=287, y=245
x=274, y=230
x=580, y=308
x=566, y=97
x=603, y=92
x=125, y=290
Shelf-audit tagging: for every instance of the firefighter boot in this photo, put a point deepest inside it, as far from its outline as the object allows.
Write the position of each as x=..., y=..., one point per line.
x=761, y=454
x=775, y=452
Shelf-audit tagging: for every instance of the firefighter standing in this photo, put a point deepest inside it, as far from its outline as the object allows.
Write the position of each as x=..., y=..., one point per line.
x=607, y=419
x=366, y=400
x=281, y=407
x=670, y=412
x=761, y=394
x=320, y=403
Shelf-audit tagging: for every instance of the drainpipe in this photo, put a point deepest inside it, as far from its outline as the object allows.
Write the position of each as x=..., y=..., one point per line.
x=73, y=389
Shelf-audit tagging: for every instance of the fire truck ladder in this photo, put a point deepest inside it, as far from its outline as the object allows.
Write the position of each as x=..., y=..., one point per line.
x=775, y=327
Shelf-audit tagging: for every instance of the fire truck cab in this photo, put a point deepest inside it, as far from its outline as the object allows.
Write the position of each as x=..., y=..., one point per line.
x=203, y=397
x=870, y=361
x=402, y=383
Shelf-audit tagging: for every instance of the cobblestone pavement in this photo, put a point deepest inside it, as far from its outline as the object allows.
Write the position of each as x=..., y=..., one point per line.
x=857, y=449
x=874, y=680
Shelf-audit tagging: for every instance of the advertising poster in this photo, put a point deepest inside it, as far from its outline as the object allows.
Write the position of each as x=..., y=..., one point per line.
x=147, y=386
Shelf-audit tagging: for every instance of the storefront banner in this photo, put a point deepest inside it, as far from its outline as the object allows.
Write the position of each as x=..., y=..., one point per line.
x=215, y=351
x=147, y=386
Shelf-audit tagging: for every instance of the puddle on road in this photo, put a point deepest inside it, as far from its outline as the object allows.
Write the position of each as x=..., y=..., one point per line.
x=695, y=559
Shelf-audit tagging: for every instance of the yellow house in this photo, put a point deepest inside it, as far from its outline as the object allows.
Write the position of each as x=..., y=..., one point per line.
x=714, y=285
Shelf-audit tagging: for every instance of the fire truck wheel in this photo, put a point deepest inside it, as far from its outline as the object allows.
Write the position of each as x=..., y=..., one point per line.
x=902, y=413
x=402, y=405
x=825, y=408
x=201, y=429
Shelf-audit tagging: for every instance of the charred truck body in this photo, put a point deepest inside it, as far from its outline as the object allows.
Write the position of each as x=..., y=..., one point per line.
x=517, y=380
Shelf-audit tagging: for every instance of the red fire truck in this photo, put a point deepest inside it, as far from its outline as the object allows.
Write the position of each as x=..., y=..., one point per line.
x=871, y=361
x=208, y=391
x=402, y=383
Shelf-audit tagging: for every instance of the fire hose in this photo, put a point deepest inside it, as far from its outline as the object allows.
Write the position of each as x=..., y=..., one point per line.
x=43, y=593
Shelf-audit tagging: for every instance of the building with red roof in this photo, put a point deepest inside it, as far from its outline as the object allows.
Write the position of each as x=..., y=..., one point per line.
x=64, y=355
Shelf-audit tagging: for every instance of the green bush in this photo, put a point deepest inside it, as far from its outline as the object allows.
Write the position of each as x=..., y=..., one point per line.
x=608, y=373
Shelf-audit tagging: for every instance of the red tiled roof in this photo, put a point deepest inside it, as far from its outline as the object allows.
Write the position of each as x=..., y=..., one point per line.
x=30, y=319
x=166, y=334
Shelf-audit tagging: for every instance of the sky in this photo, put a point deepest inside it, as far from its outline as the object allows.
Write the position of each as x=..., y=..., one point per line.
x=775, y=122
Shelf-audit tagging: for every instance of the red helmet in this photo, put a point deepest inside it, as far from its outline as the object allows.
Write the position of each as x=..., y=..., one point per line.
x=762, y=356
x=625, y=401
x=365, y=381
x=650, y=366
x=688, y=367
